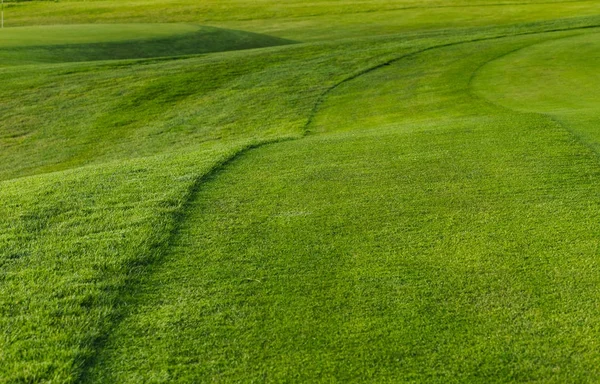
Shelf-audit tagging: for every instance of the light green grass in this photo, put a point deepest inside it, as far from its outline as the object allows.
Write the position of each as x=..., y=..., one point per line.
x=557, y=78
x=371, y=206
x=88, y=33
x=301, y=19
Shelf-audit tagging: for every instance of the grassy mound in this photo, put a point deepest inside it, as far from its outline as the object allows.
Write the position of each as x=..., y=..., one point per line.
x=92, y=42
x=557, y=78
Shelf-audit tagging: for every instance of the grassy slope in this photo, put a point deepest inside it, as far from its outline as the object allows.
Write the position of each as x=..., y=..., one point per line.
x=101, y=110
x=451, y=243
x=561, y=81
x=57, y=332
x=70, y=243
x=91, y=234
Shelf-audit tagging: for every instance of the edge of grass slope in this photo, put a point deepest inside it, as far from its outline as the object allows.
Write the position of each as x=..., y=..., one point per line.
x=104, y=225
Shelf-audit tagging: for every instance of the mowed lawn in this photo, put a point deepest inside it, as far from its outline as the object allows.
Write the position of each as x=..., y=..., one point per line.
x=371, y=193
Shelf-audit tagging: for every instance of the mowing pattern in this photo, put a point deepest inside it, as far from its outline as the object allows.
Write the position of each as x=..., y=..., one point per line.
x=402, y=252
x=416, y=207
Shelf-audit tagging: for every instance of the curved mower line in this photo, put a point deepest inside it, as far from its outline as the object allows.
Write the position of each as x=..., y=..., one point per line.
x=366, y=71
x=576, y=135
x=196, y=186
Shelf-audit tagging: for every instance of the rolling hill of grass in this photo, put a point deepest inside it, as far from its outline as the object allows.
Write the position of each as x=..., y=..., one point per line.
x=380, y=191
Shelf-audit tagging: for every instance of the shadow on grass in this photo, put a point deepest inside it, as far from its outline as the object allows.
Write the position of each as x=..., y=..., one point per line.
x=205, y=40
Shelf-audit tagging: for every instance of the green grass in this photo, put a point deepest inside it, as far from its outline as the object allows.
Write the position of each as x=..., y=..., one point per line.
x=398, y=252
x=90, y=33
x=561, y=82
x=304, y=20
x=401, y=199
x=93, y=42
x=70, y=243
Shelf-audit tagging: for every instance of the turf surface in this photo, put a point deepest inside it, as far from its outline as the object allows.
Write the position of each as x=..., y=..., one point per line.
x=91, y=33
x=297, y=253
x=398, y=200
x=93, y=42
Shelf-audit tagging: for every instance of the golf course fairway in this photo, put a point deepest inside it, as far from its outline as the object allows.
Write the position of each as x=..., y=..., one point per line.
x=235, y=191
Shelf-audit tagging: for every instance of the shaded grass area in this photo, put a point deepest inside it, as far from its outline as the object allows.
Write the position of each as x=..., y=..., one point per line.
x=19, y=51
x=443, y=239
x=123, y=110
